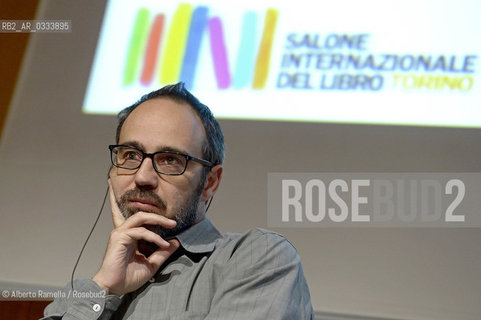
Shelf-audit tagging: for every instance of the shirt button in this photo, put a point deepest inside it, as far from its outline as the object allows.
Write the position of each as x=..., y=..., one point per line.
x=96, y=307
x=152, y=280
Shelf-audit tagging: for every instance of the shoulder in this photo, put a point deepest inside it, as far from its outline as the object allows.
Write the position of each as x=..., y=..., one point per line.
x=257, y=246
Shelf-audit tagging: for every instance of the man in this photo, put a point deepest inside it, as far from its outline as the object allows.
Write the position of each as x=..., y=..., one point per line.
x=165, y=259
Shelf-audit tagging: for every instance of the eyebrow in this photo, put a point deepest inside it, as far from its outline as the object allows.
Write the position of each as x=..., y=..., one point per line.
x=140, y=146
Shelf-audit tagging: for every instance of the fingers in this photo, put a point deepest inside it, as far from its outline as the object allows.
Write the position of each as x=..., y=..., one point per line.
x=136, y=228
x=142, y=233
x=143, y=218
x=157, y=258
x=117, y=216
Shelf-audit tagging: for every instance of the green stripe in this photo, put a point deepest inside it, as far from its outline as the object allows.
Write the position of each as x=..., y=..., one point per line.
x=137, y=40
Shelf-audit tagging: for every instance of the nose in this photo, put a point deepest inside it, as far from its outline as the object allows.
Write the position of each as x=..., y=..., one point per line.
x=146, y=177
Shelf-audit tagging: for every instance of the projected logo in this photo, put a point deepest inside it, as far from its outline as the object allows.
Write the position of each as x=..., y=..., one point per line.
x=168, y=55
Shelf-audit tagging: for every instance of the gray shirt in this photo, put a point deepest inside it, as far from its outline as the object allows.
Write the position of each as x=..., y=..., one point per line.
x=255, y=275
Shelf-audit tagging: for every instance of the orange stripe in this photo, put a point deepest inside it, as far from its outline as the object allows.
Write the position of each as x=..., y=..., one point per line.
x=153, y=47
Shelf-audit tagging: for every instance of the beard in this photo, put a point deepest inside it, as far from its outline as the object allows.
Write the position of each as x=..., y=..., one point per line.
x=185, y=214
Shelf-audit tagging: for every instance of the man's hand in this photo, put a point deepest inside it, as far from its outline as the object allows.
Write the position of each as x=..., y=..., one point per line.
x=124, y=268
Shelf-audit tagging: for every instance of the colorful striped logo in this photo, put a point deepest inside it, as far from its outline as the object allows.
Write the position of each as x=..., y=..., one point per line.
x=182, y=43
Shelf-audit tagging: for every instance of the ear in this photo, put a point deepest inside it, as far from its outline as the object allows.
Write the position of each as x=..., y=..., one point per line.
x=212, y=182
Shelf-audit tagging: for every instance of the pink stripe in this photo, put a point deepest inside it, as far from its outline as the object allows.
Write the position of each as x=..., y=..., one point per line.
x=219, y=53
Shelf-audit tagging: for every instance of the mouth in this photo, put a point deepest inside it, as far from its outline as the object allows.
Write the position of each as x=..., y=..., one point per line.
x=143, y=204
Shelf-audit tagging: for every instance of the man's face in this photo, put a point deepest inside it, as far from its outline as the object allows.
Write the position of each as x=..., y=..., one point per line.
x=157, y=125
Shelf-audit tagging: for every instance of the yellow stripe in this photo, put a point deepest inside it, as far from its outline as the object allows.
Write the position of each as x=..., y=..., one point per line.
x=264, y=56
x=175, y=47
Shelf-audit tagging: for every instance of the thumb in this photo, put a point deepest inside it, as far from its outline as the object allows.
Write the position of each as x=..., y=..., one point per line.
x=117, y=216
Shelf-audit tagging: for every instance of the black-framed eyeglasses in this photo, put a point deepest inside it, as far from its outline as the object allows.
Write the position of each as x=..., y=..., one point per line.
x=165, y=162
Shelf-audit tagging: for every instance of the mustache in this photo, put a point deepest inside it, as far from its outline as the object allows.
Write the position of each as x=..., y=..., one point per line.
x=142, y=194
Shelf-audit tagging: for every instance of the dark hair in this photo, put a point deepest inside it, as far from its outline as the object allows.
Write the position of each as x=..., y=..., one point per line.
x=213, y=148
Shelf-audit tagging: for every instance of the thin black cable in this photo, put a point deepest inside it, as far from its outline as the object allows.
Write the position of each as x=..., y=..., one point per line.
x=208, y=205
x=88, y=237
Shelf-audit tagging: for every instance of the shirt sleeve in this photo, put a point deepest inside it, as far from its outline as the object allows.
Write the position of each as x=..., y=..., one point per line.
x=86, y=302
x=262, y=279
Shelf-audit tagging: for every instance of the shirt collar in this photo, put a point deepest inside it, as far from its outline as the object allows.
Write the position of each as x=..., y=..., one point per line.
x=199, y=238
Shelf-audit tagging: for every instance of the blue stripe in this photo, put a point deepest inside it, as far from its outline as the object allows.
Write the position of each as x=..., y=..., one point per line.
x=191, y=56
x=244, y=68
